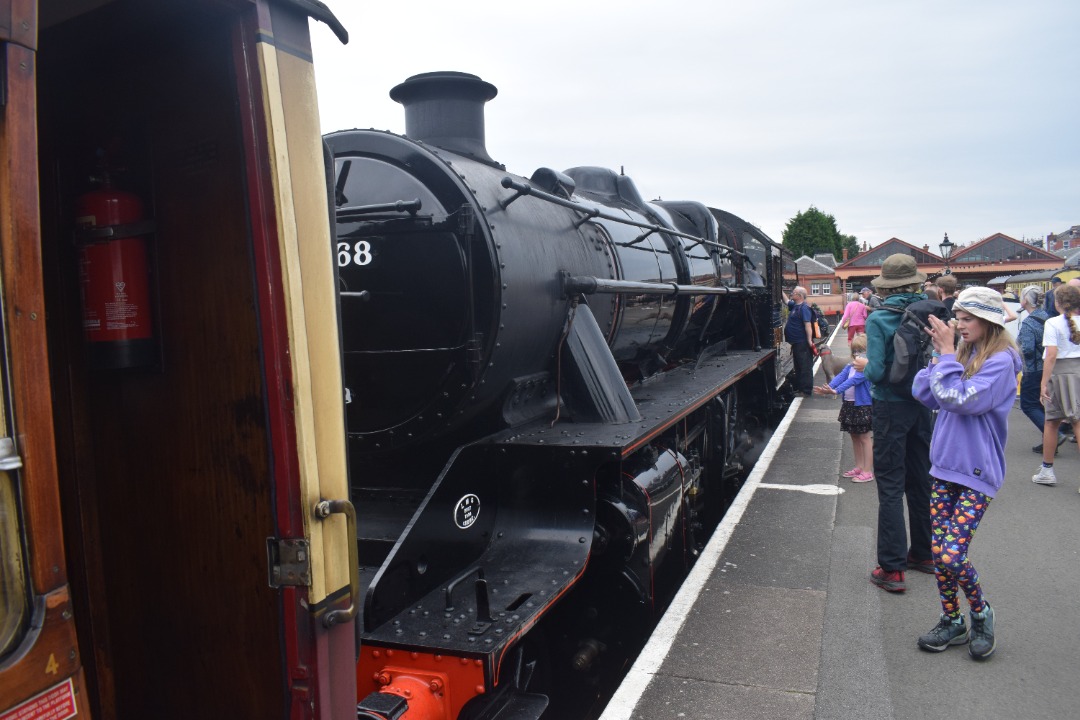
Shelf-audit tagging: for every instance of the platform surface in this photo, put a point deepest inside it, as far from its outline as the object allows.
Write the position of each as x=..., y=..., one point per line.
x=779, y=621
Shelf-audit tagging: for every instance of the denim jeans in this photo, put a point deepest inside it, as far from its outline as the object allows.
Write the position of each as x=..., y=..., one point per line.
x=1030, y=385
x=902, y=433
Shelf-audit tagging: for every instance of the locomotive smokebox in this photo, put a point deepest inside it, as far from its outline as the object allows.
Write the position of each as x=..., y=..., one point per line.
x=446, y=109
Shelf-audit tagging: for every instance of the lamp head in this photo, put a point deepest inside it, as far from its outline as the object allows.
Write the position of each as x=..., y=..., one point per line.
x=947, y=246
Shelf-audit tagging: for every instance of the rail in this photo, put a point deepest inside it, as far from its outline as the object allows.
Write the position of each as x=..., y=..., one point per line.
x=410, y=206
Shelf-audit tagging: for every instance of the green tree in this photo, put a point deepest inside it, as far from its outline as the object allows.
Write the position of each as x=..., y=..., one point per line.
x=851, y=243
x=812, y=232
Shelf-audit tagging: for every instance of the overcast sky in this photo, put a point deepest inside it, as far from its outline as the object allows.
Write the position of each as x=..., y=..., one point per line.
x=901, y=119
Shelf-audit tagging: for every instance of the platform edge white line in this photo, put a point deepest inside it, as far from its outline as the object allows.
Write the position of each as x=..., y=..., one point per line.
x=626, y=698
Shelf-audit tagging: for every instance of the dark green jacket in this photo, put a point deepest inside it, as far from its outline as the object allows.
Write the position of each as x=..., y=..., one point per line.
x=880, y=327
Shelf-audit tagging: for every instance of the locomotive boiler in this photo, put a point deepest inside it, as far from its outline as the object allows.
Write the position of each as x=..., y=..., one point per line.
x=552, y=387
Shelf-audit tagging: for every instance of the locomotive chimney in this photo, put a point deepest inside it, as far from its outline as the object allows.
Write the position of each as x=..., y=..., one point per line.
x=446, y=109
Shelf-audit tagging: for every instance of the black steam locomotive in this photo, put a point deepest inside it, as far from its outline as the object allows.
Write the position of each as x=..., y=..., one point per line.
x=552, y=387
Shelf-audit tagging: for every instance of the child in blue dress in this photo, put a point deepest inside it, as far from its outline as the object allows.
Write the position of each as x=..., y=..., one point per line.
x=856, y=412
x=973, y=388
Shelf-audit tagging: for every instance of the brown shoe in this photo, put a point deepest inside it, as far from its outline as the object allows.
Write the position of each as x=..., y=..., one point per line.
x=923, y=566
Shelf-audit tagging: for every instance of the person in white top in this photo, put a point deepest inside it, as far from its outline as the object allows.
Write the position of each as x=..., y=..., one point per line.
x=1060, y=391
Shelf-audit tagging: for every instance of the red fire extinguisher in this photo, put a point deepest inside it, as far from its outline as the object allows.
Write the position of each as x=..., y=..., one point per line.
x=114, y=277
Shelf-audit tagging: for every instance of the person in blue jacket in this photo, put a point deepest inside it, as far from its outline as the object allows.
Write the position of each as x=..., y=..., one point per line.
x=800, y=335
x=856, y=411
x=972, y=387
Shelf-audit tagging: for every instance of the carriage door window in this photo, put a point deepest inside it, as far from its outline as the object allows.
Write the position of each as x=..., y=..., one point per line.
x=14, y=586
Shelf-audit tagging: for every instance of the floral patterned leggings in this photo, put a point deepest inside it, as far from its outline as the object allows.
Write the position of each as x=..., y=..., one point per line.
x=955, y=512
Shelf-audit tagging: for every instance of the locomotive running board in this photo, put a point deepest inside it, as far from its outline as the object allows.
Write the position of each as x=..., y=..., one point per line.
x=662, y=402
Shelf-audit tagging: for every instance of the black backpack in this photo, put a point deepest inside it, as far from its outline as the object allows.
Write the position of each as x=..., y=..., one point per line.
x=912, y=348
x=1042, y=331
x=822, y=323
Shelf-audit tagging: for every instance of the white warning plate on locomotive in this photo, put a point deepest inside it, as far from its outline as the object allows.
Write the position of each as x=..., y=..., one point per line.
x=466, y=511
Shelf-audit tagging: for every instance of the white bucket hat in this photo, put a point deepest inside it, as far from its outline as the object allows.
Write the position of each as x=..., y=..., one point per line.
x=982, y=302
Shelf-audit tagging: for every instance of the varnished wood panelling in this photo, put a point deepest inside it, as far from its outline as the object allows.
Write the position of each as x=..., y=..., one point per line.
x=171, y=469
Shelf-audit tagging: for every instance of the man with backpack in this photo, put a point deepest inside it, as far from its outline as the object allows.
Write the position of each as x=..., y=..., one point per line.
x=902, y=425
x=821, y=332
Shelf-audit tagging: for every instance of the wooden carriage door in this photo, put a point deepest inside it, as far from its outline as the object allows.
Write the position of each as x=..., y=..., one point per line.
x=40, y=667
x=298, y=301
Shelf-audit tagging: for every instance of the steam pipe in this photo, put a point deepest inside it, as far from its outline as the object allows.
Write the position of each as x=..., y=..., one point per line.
x=588, y=285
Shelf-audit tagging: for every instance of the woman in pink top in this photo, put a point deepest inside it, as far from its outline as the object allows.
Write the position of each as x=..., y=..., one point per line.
x=854, y=318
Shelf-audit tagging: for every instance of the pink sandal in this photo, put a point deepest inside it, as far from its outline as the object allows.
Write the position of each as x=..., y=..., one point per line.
x=853, y=472
x=862, y=477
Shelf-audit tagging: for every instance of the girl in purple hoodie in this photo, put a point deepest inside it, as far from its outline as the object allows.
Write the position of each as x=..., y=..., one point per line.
x=972, y=387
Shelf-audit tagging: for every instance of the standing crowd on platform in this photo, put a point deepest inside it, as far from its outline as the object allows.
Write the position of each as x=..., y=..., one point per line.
x=926, y=399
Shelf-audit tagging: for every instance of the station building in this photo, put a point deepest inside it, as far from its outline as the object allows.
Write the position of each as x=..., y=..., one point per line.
x=998, y=261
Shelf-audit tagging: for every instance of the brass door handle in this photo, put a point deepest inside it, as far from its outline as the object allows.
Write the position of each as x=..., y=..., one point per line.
x=323, y=510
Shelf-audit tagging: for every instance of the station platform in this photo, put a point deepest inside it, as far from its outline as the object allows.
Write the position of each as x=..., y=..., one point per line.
x=778, y=619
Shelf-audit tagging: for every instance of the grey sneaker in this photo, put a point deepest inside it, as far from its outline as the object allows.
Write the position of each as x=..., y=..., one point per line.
x=1045, y=476
x=982, y=634
x=947, y=632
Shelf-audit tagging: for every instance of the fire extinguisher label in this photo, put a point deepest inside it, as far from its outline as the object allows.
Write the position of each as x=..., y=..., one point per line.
x=121, y=313
x=115, y=287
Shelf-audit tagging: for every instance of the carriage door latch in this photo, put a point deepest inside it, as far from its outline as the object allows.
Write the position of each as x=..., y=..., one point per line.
x=288, y=561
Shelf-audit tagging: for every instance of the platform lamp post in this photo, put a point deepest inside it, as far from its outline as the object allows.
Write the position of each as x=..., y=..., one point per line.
x=947, y=246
